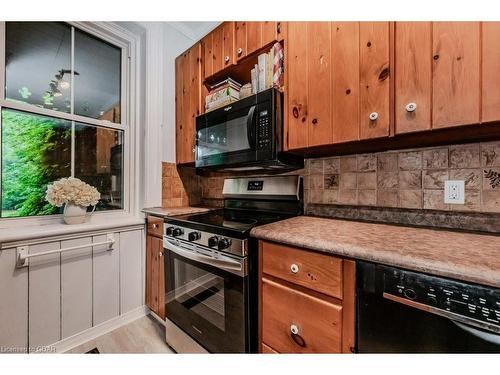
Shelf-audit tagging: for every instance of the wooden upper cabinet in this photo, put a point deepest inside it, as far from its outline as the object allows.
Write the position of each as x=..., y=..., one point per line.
x=296, y=91
x=319, y=76
x=490, y=110
x=456, y=73
x=413, y=76
x=188, y=101
x=374, y=79
x=250, y=36
x=218, y=49
x=345, y=81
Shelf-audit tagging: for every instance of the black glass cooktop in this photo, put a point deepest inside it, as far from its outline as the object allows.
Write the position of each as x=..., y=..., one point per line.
x=229, y=220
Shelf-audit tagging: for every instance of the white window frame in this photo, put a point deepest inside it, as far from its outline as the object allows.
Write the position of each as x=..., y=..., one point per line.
x=130, y=81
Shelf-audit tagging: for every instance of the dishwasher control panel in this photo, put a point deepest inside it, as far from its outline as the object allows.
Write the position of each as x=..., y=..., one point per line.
x=423, y=291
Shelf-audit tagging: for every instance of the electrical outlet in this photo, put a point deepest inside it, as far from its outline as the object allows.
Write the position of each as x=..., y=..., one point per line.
x=454, y=191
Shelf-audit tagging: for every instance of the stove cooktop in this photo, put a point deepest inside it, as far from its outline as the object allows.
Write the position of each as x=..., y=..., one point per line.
x=230, y=221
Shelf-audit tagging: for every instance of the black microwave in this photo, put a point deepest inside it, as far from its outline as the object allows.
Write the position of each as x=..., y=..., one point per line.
x=245, y=135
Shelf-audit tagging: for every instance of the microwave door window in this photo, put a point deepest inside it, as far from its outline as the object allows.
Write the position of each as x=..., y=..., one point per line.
x=224, y=138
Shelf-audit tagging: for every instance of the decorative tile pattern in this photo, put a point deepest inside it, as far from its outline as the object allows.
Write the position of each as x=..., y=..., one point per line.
x=410, y=179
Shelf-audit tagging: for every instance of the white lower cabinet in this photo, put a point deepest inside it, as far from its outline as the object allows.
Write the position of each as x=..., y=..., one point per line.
x=60, y=295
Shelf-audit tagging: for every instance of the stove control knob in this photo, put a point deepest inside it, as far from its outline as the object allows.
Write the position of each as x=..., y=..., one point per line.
x=170, y=231
x=410, y=294
x=213, y=241
x=224, y=243
x=177, y=232
x=432, y=300
x=193, y=236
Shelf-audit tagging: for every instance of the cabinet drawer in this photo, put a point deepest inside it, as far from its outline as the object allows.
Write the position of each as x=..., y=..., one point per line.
x=155, y=226
x=317, y=323
x=322, y=273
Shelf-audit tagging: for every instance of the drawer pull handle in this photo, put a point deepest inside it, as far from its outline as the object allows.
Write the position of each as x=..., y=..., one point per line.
x=294, y=332
x=410, y=107
x=294, y=268
x=373, y=116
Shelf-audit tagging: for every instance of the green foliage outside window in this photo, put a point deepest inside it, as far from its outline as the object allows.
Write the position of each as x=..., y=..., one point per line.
x=36, y=150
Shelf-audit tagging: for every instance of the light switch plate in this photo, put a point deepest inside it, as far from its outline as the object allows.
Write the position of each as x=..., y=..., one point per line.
x=454, y=192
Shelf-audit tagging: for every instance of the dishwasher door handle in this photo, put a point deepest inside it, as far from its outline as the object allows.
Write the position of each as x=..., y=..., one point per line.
x=483, y=335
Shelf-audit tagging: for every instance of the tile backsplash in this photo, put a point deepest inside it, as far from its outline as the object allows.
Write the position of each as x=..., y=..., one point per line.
x=411, y=178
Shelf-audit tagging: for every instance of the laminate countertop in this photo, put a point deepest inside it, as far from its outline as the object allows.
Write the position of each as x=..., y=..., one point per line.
x=458, y=255
x=175, y=211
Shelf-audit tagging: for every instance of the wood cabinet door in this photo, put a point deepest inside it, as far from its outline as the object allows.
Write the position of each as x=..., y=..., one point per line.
x=269, y=32
x=240, y=39
x=455, y=82
x=297, y=100
x=413, y=76
x=179, y=104
x=374, y=79
x=217, y=50
x=490, y=58
x=154, y=275
x=345, y=81
x=207, y=65
x=319, y=83
x=254, y=36
x=228, y=43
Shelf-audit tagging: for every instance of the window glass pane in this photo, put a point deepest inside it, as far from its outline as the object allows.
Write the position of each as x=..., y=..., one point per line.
x=38, y=63
x=99, y=162
x=97, y=78
x=36, y=150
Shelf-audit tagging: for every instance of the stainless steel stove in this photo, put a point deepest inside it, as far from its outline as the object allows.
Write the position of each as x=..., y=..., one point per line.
x=211, y=265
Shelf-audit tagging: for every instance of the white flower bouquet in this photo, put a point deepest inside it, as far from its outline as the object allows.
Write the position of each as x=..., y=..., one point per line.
x=72, y=190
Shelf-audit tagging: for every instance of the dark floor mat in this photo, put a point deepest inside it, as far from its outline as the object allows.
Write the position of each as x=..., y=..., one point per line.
x=93, y=351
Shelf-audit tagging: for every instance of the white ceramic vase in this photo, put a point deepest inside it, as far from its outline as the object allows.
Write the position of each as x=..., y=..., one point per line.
x=75, y=214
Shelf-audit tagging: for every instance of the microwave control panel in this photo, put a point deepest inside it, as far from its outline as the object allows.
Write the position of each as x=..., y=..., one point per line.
x=264, y=131
x=467, y=300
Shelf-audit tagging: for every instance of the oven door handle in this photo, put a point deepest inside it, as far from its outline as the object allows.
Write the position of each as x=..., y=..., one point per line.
x=227, y=265
x=251, y=127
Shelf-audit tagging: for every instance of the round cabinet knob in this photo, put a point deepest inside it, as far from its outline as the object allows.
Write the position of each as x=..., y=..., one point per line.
x=193, y=236
x=294, y=329
x=170, y=231
x=213, y=241
x=160, y=254
x=294, y=268
x=224, y=243
x=239, y=51
x=177, y=232
x=410, y=107
x=226, y=59
x=155, y=226
x=373, y=116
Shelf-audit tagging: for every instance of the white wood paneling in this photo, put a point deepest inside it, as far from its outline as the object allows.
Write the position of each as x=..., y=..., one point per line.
x=76, y=287
x=106, y=280
x=13, y=302
x=44, y=296
x=131, y=269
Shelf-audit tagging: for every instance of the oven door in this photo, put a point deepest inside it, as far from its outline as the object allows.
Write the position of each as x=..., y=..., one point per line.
x=241, y=133
x=206, y=296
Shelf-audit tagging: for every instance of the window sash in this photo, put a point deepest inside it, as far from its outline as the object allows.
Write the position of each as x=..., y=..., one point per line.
x=124, y=125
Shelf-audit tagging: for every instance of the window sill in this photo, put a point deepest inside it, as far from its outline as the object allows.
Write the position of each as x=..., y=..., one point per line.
x=9, y=236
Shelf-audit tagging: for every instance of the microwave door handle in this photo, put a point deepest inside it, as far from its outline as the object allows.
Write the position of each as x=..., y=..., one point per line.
x=226, y=265
x=251, y=127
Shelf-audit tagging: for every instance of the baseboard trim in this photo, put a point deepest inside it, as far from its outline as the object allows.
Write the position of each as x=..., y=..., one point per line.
x=101, y=329
x=157, y=317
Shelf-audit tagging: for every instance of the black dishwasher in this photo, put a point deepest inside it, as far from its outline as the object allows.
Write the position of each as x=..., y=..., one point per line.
x=400, y=311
